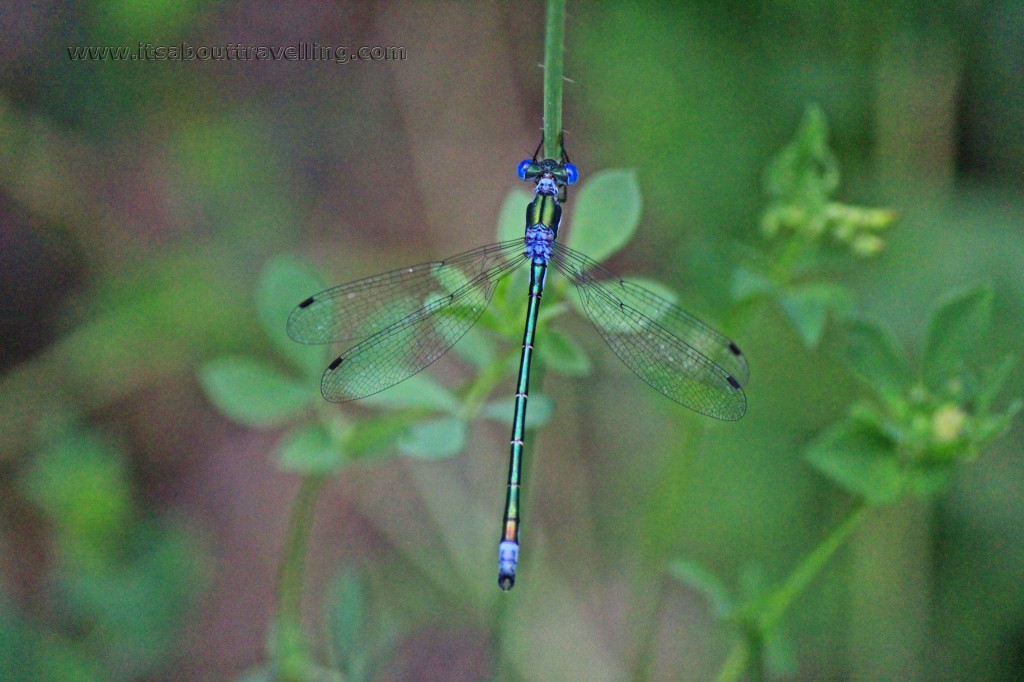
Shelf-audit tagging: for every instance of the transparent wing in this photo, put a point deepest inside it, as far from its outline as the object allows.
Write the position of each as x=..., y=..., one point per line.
x=412, y=343
x=671, y=350
x=355, y=311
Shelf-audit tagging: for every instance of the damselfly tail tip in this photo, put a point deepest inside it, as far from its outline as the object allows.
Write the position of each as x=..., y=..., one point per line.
x=508, y=558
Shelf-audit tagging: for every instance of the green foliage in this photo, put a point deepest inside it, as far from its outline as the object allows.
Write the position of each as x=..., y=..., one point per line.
x=513, y=214
x=563, y=355
x=80, y=482
x=803, y=222
x=875, y=357
x=910, y=439
x=284, y=281
x=418, y=417
x=961, y=320
x=124, y=581
x=252, y=392
x=432, y=438
x=706, y=583
x=920, y=424
x=607, y=213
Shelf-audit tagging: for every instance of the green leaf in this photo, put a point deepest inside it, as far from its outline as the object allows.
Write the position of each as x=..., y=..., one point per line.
x=418, y=391
x=957, y=324
x=346, y=614
x=702, y=580
x=928, y=479
x=310, y=449
x=991, y=426
x=80, y=482
x=860, y=459
x=563, y=355
x=992, y=383
x=512, y=218
x=808, y=306
x=476, y=348
x=253, y=393
x=434, y=438
x=287, y=280
x=539, y=409
x=748, y=284
x=377, y=436
x=805, y=171
x=875, y=357
x=607, y=213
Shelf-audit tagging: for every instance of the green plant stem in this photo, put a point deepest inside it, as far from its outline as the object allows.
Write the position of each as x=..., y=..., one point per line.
x=554, y=48
x=289, y=646
x=661, y=509
x=769, y=611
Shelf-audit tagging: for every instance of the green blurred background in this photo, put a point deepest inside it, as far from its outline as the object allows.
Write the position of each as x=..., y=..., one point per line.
x=142, y=530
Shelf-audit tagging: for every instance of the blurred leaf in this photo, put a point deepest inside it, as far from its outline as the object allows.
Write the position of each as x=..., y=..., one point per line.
x=808, y=305
x=702, y=580
x=538, y=410
x=135, y=608
x=347, y=621
x=927, y=479
x=992, y=382
x=434, y=438
x=874, y=356
x=31, y=653
x=377, y=436
x=860, y=459
x=418, y=391
x=805, y=171
x=309, y=449
x=960, y=320
x=656, y=288
x=563, y=355
x=81, y=484
x=253, y=393
x=607, y=213
x=512, y=218
x=285, y=281
x=989, y=426
x=748, y=284
x=476, y=348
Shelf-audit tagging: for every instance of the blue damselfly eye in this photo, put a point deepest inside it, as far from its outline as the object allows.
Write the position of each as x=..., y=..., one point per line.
x=523, y=165
x=571, y=174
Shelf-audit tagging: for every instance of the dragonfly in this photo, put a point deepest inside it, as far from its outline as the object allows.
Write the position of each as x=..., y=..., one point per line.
x=404, y=320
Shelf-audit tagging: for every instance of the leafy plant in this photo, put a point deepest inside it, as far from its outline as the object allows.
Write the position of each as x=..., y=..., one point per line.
x=123, y=578
x=809, y=234
x=920, y=423
x=419, y=417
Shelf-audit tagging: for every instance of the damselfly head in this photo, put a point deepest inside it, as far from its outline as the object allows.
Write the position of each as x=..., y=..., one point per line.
x=549, y=175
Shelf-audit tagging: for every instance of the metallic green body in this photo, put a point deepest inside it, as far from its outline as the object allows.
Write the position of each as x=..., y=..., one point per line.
x=511, y=524
x=543, y=216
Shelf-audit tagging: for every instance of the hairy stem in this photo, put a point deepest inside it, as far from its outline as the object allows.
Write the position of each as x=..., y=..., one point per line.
x=554, y=47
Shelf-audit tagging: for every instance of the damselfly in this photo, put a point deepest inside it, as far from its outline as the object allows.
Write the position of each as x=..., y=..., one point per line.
x=406, y=319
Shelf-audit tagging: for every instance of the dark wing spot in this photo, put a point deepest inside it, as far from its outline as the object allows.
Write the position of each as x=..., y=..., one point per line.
x=308, y=302
x=732, y=382
x=735, y=350
x=334, y=365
